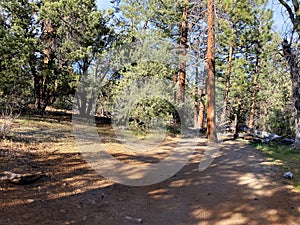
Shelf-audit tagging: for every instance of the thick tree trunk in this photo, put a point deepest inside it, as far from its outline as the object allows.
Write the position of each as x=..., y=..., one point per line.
x=293, y=62
x=210, y=67
x=227, y=88
x=182, y=68
x=296, y=97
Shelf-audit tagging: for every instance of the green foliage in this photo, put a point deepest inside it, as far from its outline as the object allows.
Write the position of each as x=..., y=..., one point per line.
x=247, y=25
x=275, y=108
x=17, y=48
x=146, y=105
x=161, y=17
x=82, y=35
x=150, y=114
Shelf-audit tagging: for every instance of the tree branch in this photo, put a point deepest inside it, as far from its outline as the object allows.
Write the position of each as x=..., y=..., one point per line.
x=289, y=9
x=296, y=5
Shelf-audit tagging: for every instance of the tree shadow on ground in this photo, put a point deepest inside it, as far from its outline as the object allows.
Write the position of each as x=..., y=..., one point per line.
x=237, y=188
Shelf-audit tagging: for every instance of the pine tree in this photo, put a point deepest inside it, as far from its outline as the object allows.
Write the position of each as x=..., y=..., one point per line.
x=75, y=33
x=210, y=68
x=274, y=103
x=183, y=44
x=247, y=24
x=18, y=49
x=233, y=16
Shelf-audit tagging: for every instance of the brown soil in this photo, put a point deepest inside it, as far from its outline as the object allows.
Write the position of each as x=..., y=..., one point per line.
x=239, y=187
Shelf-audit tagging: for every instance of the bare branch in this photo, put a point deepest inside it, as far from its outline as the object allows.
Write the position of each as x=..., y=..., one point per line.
x=289, y=9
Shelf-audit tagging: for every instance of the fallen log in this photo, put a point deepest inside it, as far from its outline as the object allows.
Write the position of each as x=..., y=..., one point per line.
x=20, y=179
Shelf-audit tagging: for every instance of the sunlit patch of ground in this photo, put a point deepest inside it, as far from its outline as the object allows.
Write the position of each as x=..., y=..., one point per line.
x=287, y=157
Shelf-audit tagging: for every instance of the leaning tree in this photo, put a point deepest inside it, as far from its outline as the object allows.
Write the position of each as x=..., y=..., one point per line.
x=291, y=53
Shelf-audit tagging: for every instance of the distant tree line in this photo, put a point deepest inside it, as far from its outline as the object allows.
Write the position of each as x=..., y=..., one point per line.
x=229, y=60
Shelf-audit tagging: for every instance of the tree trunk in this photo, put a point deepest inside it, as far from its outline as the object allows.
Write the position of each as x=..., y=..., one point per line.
x=175, y=79
x=202, y=103
x=235, y=127
x=227, y=88
x=196, y=108
x=210, y=68
x=252, y=107
x=196, y=98
x=293, y=62
x=182, y=68
x=295, y=78
x=297, y=123
x=255, y=84
x=40, y=82
x=201, y=109
x=237, y=115
x=254, y=94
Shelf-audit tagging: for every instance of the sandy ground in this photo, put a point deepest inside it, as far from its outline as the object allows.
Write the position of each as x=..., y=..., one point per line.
x=239, y=187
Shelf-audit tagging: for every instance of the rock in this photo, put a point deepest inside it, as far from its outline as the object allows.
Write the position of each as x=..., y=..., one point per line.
x=137, y=220
x=288, y=175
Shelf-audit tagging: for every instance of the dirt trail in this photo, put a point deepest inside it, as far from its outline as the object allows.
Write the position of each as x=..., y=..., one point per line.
x=238, y=188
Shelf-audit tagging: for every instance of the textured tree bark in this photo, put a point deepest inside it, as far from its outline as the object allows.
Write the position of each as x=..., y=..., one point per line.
x=292, y=60
x=297, y=122
x=182, y=68
x=235, y=127
x=196, y=106
x=201, y=109
x=210, y=68
x=196, y=98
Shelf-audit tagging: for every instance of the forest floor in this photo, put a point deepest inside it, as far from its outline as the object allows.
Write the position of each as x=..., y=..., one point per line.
x=241, y=186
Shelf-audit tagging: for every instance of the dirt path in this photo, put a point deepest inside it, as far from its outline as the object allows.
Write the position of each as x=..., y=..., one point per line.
x=238, y=188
